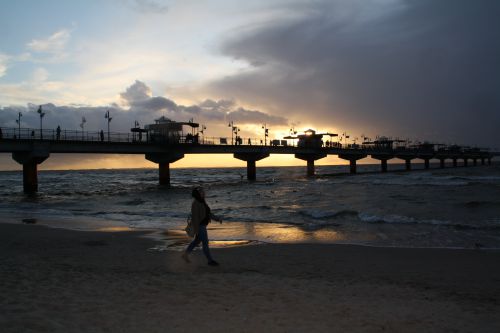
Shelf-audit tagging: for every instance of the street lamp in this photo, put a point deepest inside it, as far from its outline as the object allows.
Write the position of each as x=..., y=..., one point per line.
x=266, y=133
x=236, y=130
x=106, y=116
x=233, y=129
x=202, y=131
x=41, y=117
x=18, y=121
x=293, y=132
x=82, y=125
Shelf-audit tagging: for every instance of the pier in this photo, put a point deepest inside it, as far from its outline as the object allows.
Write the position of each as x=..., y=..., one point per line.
x=30, y=147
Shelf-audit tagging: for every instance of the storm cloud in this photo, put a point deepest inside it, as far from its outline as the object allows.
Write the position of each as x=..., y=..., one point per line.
x=137, y=104
x=423, y=68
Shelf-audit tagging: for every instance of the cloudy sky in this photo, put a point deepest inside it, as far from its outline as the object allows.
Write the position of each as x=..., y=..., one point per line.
x=418, y=69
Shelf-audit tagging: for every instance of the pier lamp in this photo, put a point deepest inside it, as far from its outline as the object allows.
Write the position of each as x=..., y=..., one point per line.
x=106, y=116
x=136, y=125
x=41, y=113
x=82, y=125
x=202, y=131
x=266, y=133
x=18, y=121
x=293, y=132
x=233, y=129
x=236, y=130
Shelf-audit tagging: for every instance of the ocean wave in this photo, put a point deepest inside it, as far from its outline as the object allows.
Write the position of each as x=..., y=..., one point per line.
x=480, y=204
x=400, y=219
x=133, y=202
x=420, y=182
x=322, y=215
x=127, y=215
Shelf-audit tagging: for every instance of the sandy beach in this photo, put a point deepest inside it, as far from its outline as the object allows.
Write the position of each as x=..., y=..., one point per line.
x=55, y=280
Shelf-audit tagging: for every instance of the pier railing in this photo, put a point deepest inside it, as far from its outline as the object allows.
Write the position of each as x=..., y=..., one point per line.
x=10, y=133
x=32, y=134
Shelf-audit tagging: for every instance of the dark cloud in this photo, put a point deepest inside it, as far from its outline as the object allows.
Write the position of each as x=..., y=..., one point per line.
x=410, y=68
x=142, y=107
x=137, y=92
x=244, y=116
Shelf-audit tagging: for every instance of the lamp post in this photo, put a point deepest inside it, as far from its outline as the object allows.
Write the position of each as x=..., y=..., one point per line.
x=106, y=116
x=236, y=130
x=231, y=124
x=292, y=133
x=202, y=131
x=18, y=121
x=82, y=125
x=41, y=117
x=266, y=133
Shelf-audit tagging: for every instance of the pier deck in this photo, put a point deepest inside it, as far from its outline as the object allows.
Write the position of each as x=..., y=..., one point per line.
x=30, y=148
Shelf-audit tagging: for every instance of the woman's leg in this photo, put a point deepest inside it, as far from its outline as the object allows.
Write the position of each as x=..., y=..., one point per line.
x=204, y=241
x=194, y=243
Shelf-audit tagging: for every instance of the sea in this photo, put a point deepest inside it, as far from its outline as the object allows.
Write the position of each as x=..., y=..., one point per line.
x=435, y=208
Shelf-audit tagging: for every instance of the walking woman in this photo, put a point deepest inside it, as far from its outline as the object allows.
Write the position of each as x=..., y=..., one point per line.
x=200, y=218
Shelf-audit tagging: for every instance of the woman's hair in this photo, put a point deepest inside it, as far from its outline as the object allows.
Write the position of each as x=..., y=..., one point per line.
x=196, y=194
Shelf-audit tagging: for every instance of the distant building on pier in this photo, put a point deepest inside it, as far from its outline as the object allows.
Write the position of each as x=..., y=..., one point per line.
x=172, y=132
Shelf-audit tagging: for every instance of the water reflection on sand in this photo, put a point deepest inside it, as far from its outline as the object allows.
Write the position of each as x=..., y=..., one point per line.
x=245, y=233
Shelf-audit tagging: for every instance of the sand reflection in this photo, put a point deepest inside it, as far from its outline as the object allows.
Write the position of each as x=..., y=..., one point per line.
x=274, y=233
x=245, y=233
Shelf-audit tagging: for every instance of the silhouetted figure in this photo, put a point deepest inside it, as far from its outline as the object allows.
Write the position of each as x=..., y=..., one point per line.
x=200, y=217
x=140, y=136
x=102, y=135
x=249, y=142
x=58, y=132
x=32, y=134
x=1, y=134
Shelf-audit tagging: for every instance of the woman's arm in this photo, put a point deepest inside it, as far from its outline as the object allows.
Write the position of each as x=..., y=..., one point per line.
x=197, y=214
x=215, y=217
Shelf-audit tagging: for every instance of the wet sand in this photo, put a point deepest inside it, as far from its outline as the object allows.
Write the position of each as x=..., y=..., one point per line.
x=55, y=280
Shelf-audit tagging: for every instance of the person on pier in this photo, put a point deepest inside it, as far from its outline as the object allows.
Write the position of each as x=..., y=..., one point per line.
x=201, y=216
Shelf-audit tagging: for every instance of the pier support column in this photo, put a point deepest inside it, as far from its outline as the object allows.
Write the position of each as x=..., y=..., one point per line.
x=310, y=158
x=164, y=173
x=426, y=163
x=489, y=161
x=407, y=158
x=352, y=158
x=466, y=162
x=482, y=161
x=310, y=168
x=383, y=160
x=352, y=166
x=474, y=161
x=163, y=160
x=30, y=177
x=441, y=163
x=408, y=164
x=455, y=163
x=383, y=164
x=251, y=158
x=30, y=161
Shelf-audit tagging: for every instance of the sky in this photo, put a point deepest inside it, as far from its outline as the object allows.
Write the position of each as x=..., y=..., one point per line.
x=417, y=69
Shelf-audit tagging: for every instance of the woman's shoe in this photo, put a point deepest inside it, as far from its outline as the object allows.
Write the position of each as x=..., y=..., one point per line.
x=213, y=263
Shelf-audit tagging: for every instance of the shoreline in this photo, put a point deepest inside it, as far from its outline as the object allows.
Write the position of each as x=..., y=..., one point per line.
x=56, y=280
x=223, y=236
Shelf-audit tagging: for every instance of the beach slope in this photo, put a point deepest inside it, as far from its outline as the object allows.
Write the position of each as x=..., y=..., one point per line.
x=55, y=280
